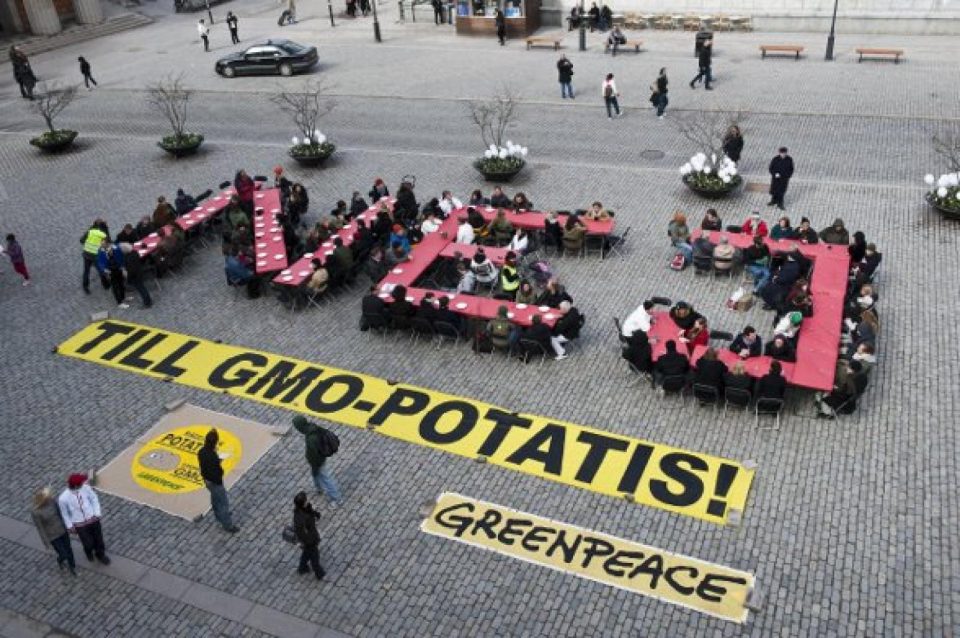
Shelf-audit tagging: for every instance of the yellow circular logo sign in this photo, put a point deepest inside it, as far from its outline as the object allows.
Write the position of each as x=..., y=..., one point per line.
x=168, y=464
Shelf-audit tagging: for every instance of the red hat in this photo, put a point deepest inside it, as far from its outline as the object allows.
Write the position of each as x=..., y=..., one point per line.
x=397, y=228
x=76, y=480
x=277, y=170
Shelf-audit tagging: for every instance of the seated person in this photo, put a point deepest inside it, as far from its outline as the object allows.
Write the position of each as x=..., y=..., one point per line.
x=775, y=291
x=396, y=256
x=798, y=299
x=860, y=301
x=509, y=277
x=467, y=282
x=863, y=271
x=501, y=227
x=401, y=310
x=498, y=199
x=789, y=325
x=183, y=204
x=553, y=295
x=502, y=332
x=836, y=233
x=379, y=191
x=782, y=230
x=477, y=222
x=804, y=233
x=703, y=247
x=772, y=385
x=684, y=315
x=679, y=235
x=597, y=213
x=430, y=225
x=445, y=315
x=234, y=213
x=539, y=333
x=432, y=206
x=638, y=352
x=128, y=235
x=373, y=306
x=858, y=249
x=567, y=327
x=358, y=205
x=710, y=371
x=376, y=266
x=520, y=242
x=639, y=319
x=723, y=254
x=526, y=294
x=738, y=379
x=711, y=221
x=237, y=273
x=670, y=364
x=698, y=335
x=521, y=203
x=754, y=225
x=553, y=230
x=477, y=199
x=427, y=310
x=864, y=354
x=465, y=233
x=747, y=344
x=170, y=251
x=319, y=279
x=398, y=237
x=756, y=260
x=780, y=349
x=382, y=227
x=448, y=204
x=342, y=254
x=574, y=233
x=164, y=214
x=144, y=227
x=616, y=38
x=843, y=398
x=484, y=270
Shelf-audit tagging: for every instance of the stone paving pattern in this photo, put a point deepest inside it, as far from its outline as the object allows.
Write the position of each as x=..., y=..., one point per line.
x=850, y=528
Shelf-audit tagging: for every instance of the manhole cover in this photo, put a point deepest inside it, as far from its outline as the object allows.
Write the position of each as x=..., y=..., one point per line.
x=652, y=154
x=756, y=187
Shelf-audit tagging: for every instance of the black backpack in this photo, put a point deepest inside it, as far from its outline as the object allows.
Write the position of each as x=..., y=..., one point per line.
x=329, y=442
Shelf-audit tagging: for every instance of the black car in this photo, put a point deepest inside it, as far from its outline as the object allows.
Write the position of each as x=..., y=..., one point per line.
x=266, y=58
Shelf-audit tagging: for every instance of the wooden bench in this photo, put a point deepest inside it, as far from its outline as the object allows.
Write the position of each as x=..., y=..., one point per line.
x=880, y=53
x=629, y=44
x=543, y=41
x=795, y=49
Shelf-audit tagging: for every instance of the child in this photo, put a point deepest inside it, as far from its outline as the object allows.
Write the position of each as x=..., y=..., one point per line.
x=87, y=73
x=16, y=258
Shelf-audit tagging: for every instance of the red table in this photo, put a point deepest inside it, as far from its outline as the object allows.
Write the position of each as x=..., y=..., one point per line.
x=270, y=251
x=467, y=251
x=148, y=245
x=204, y=212
x=534, y=220
x=479, y=307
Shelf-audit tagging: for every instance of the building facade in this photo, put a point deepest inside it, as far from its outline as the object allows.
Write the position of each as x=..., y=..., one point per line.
x=46, y=17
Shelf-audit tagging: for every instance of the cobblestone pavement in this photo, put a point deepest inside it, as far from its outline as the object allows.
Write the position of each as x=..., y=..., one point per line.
x=850, y=528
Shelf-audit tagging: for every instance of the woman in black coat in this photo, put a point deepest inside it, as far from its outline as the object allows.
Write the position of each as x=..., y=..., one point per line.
x=501, y=27
x=305, y=529
x=733, y=143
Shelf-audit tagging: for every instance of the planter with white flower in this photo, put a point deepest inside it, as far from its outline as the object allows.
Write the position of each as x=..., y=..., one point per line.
x=503, y=163
x=305, y=108
x=944, y=194
x=710, y=178
x=170, y=98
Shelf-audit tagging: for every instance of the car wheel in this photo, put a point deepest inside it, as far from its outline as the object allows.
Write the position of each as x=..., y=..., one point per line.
x=286, y=70
x=229, y=72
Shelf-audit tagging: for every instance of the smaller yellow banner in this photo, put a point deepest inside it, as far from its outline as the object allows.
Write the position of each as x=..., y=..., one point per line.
x=706, y=587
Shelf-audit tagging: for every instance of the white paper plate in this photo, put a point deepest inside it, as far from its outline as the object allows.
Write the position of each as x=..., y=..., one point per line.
x=410, y=299
x=260, y=225
x=521, y=306
x=328, y=252
x=211, y=210
x=451, y=296
x=261, y=264
x=274, y=210
x=288, y=277
x=397, y=271
x=305, y=273
x=548, y=316
x=327, y=244
x=198, y=208
x=509, y=315
x=384, y=295
x=279, y=257
x=278, y=239
x=544, y=308
x=262, y=244
x=308, y=255
x=260, y=195
x=152, y=235
x=143, y=253
x=190, y=222
x=260, y=234
x=461, y=305
x=285, y=272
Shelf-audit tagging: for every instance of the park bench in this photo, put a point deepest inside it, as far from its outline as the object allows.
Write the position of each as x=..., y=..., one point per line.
x=544, y=41
x=880, y=53
x=629, y=44
x=795, y=49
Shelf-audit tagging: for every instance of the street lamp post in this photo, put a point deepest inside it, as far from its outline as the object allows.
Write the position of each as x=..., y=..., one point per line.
x=330, y=11
x=376, y=23
x=833, y=24
x=583, y=29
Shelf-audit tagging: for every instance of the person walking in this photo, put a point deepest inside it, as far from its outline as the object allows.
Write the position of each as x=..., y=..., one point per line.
x=305, y=529
x=320, y=445
x=87, y=75
x=501, y=23
x=22, y=72
x=705, y=62
x=133, y=264
x=15, y=253
x=781, y=170
x=659, y=97
x=610, y=94
x=91, y=241
x=204, y=32
x=565, y=73
x=49, y=522
x=232, y=25
x=110, y=265
x=437, y=11
x=80, y=509
x=212, y=472
x=733, y=143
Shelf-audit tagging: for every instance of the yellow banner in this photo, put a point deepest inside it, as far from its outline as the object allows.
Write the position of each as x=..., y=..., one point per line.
x=689, y=483
x=706, y=587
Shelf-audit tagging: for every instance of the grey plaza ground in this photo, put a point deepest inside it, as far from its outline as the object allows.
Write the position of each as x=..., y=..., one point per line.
x=851, y=526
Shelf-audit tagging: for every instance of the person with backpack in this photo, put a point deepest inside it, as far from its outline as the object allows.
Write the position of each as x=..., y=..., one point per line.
x=610, y=95
x=305, y=530
x=320, y=445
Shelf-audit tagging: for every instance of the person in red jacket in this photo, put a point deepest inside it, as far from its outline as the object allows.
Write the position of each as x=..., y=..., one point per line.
x=755, y=226
x=245, y=188
x=697, y=335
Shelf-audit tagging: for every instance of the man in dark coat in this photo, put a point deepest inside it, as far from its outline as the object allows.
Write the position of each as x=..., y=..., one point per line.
x=437, y=11
x=710, y=371
x=320, y=444
x=372, y=306
x=565, y=73
x=22, y=72
x=211, y=471
x=781, y=170
x=305, y=529
x=501, y=23
x=772, y=385
x=705, y=61
x=133, y=264
x=671, y=363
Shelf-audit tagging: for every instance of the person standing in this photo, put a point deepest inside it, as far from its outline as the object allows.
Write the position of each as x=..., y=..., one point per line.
x=781, y=170
x=212, y=472
x=22, y=72
x=110, y=265
x=437, y=11
x=46, y=516
x=305, y=529
x=80, y=509
x=204, y=32
x=15, y=252
x=610, y=94
x=133, y=264
x=232, y=25
x=501, y=23
x=705, y=62
x=659, y=97
x=565, y=73
x=733, y=143
x=91, y=241
x=320, y=445
x=87, y=75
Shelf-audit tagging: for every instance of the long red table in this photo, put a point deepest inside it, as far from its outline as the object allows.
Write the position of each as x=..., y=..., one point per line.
x=819, y=337
x=481, y=307
x=269, y=249
x=535, y=220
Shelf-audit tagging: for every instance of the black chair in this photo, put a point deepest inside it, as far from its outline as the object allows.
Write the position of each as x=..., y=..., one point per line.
x=737, y=397
x=376, y=323
x=661, y=301
x=528, y=347
x=674, y=383
x=720, y=335
x=770, y=406
x=259, y=178
x=702, y=264
x=638, y=374
x=446, y=330
x=733, y=228
x=706, y=395
x=399, y=323
x=420, y=327
x=225, y=184
x=616, y=242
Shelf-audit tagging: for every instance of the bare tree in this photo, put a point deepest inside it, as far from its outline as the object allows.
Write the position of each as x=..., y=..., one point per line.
x=948, y=147
x=170, y=98
x=306, y=107
x=53, y=101
x=493, y=116
x=706, y=129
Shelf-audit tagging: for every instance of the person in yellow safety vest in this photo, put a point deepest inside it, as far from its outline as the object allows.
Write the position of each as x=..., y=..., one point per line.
x=91, y=245
x=509, y=276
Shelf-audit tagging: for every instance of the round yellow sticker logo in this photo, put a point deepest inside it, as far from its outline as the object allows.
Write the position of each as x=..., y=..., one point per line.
x=168, y=464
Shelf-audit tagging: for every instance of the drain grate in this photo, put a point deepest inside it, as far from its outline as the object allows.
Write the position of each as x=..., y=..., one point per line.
x=652, y=154
x=756, y=187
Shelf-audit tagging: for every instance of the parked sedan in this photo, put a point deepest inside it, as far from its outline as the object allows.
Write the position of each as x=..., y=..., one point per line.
x=267, y=58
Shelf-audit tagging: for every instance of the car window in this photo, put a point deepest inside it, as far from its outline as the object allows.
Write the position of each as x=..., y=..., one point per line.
x=262, y=52
x=293, y=48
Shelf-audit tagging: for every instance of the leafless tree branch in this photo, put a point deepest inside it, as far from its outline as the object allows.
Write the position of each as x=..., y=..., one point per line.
x=53, y=101
x=306, y=107
x=170, y=97
x=947, y=146
x=495, y=115
x=706, y=129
